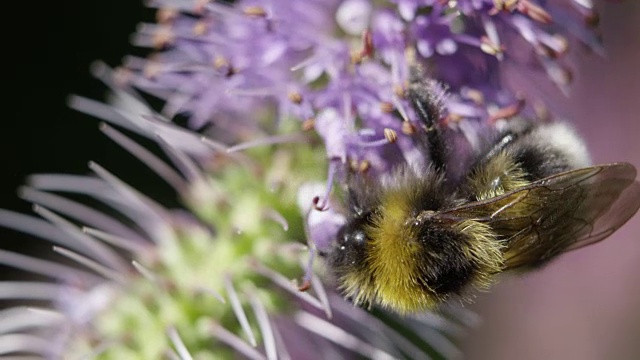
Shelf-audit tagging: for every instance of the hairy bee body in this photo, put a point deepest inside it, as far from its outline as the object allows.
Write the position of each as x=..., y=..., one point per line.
x=414, y=239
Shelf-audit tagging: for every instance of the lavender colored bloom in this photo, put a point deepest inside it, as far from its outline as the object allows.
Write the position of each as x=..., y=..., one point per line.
x=213, y=279
x=260, y=57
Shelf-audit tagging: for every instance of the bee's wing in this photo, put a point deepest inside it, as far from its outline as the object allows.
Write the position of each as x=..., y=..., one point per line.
x=559, y=213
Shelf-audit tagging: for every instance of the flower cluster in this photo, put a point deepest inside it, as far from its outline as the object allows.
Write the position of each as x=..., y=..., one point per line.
x=206, y=283
x=213, y=279
x=226, y=65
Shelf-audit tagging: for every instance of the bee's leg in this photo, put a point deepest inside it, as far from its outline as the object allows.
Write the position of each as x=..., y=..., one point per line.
x=516, y=131
x=428, y=112
x=502, y=142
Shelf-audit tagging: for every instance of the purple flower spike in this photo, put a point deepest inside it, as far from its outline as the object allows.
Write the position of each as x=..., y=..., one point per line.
x=342, y=68
x=220, y=64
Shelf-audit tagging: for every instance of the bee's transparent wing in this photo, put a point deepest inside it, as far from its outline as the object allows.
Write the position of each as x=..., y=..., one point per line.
x=559, y=213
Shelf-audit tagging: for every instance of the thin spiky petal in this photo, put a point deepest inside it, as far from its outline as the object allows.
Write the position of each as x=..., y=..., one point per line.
x=76, y=210
x=43, y=267
x=235, y=342
x=339, y=336
x=239, y=311
x=179, y=344
x=146, y=157
x=264, y=323
x=91, y=264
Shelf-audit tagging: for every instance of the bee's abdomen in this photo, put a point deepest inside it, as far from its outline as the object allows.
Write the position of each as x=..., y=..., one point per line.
x=419, y=265
x=549, y=149
x=457, y=256
x=448, y=270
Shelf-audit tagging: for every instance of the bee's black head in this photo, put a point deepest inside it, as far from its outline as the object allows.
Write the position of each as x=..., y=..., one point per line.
x=349, y=251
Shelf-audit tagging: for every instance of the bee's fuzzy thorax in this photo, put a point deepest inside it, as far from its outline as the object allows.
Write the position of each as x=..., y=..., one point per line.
x=411, y=262
x=499, y=175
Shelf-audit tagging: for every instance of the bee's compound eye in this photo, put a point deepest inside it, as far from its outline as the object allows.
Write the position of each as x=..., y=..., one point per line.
x=351, y=235
x=358, y=236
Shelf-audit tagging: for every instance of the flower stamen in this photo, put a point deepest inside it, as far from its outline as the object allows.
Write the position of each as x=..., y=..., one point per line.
x=508, y=111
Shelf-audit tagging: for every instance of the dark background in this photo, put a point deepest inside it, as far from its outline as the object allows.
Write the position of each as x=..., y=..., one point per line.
x=48, y=47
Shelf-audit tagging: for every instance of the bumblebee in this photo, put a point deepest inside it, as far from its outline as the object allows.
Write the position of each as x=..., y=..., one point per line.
x=419, y=237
